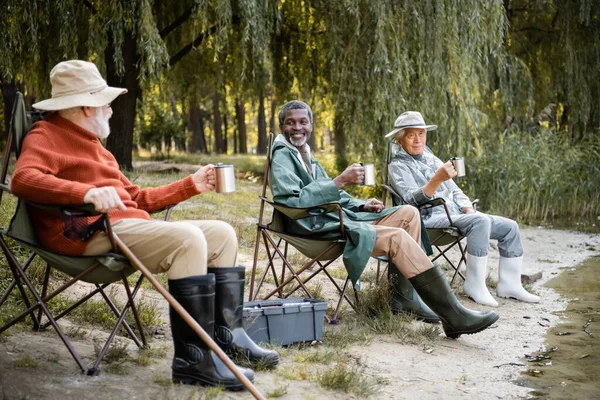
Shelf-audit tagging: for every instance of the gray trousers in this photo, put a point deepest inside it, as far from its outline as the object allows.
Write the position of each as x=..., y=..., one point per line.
x=479, y=228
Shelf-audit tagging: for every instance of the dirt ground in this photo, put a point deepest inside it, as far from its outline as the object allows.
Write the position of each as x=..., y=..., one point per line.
x=481, y=366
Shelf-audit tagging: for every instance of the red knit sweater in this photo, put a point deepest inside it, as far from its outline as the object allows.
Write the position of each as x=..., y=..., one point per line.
x=61, y=161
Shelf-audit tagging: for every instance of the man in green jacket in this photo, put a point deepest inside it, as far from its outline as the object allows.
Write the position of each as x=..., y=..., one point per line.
x=298, y=180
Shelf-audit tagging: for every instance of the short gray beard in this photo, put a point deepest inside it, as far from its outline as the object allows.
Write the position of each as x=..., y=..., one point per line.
x=298, y=143
x=102, y=128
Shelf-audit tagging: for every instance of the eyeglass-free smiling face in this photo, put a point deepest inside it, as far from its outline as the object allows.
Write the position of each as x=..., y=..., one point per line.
x=297, y=127
x=413, y=141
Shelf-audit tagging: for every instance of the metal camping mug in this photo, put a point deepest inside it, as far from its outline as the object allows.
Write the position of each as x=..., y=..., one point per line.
x=459, y=166
x=369, y=178
x=225, y=178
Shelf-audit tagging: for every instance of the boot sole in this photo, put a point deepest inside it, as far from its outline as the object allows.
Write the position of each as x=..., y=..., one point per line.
x=268, y=361
x=429, y=320
x=195, y=380
x=456, y=334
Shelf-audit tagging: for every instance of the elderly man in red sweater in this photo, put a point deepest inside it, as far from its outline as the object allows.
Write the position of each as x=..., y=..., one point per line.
x=63, y=162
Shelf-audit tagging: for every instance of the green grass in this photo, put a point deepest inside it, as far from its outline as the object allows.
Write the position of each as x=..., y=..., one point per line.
x=321, y=356
x=148, y=355
x=537, y=178
x=26, y=361
x=374, y=318
x=97, y=312
x=117, y=368
x=162, y=380
x=76, y=333
x=117, y=352
x=349, y=379
x=278, y=392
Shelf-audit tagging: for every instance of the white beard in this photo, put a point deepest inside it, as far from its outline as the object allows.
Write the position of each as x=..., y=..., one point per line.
x=101, y=126
x=298, y=143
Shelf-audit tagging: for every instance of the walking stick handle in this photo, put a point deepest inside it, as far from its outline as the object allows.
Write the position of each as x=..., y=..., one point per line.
x=187, y=318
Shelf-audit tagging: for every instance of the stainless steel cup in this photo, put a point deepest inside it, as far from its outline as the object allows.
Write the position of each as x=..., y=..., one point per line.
x=369, y=179
x=459, y=166
x=225, y=177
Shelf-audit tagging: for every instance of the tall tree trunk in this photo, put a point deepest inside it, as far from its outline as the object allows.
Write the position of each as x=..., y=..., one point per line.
x=9, y=92
x=191, y=125
x=312, y=140
x=272, y=126
x=236, y=134
x=201, y=135
x=225, y=125
x=120, y=142
x=261, y=147
x=196, y=127
x=240, y=115
x=564, y=121
x=177, y=139
x=339, y=142
x=217, y=124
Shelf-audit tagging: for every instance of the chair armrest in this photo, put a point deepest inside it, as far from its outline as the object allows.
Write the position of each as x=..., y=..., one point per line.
x=86, y=210
x=475, y=202
x=296, y=213
x=102, y=224
x=302, y=212
x=431, y=203
x=78, y=211
x=437, y=201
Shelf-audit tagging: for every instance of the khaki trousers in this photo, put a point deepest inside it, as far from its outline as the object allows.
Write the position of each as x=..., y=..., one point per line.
x=181, y=249
x=399, y=238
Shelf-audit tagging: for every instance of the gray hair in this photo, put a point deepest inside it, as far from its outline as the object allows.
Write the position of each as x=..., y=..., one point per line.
x=294, y=105
x=400, y=134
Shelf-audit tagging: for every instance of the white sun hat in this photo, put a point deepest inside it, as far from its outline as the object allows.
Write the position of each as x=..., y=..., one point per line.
x=78, y=83
x=410, y=119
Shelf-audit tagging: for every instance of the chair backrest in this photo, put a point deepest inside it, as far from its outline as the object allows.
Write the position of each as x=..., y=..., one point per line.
x=309, y=246
x=270, y=139
x=397, y=199
x=21, y=227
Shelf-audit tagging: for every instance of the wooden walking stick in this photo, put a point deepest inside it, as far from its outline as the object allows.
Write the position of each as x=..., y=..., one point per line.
x=188, y=318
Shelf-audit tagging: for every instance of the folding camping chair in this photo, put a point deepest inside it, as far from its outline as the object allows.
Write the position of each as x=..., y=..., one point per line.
x=321, y=252
x=101, y=270
x=442, y=239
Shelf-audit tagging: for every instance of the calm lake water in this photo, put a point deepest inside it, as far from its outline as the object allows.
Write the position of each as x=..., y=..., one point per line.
x=570, y=366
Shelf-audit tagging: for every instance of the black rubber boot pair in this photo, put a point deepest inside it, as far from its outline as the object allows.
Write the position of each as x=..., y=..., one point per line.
x=229, y=331
x=194, y=362
x=432, y=285
x=404, y=298
x=216, y=302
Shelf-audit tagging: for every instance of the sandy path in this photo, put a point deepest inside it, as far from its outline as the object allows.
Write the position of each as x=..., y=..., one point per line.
x=474, y=366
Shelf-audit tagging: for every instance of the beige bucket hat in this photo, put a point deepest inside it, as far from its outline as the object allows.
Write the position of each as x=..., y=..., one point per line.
x=410, y=119
x=78, y=83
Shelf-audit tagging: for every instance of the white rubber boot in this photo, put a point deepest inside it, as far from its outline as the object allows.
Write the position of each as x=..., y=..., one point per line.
x=475, y=286
x=509, y=280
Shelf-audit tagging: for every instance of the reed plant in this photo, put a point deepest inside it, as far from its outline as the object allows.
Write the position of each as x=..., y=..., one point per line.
x=536, y=177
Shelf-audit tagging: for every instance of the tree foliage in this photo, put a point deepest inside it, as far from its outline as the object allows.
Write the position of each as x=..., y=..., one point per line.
x=467, y=65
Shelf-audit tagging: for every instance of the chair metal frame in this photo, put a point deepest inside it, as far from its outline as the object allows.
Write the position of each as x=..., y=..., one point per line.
x=443, y=239
x=326, y=251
